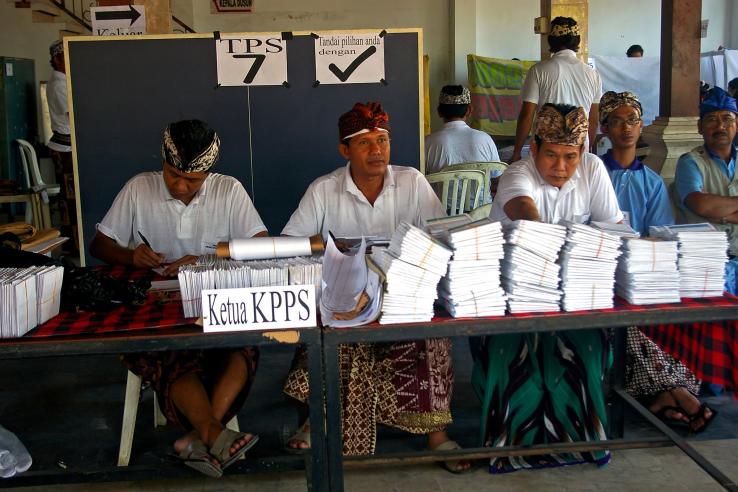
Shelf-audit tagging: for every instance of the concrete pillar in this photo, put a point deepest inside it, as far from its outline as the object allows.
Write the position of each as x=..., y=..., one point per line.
x=577, y=10
x=675, y=129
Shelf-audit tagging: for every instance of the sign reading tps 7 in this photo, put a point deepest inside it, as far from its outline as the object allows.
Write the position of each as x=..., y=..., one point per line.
x=258, y=308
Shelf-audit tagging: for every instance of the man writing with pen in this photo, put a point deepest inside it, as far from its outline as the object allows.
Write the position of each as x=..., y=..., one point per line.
x=169, y=218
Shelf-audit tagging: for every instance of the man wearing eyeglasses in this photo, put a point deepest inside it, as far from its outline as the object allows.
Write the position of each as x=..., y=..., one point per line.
x=705, y=178
x=641, y=192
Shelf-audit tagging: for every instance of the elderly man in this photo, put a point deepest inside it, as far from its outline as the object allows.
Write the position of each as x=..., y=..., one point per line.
x=666, y=386
x=406, y=385
x=705, y=178
x=562, y=79
x=167, y=218
x=548, y=386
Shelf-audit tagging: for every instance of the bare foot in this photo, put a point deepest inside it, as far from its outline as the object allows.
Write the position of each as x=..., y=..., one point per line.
x=216, y=428
x=185, y=441
x=691, y=405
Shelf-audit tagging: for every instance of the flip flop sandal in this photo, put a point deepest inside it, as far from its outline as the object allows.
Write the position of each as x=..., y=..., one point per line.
x=221, y=448
x=302, y=434
x=662, y=415
x=700, y=414
x=451, y=466
x=196, y=456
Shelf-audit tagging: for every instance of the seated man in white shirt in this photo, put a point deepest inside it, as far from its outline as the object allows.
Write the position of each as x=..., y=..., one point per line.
x=405, y=385
x=456, y=142
x=549, y=385
x=167, y=218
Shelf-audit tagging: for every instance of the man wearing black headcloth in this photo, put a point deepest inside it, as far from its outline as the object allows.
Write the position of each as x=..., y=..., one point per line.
x=178, y=211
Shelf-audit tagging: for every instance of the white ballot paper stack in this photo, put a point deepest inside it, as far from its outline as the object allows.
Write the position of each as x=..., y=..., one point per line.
x=472, y=287
x=702, y=257
x=211, y=272
x=412, y=265
x=28, y=297
x=647, y=271
x=588, y=262
x=530, y=274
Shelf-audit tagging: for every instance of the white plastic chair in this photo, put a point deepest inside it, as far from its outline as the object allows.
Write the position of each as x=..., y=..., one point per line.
x=459, y=190
x=480, y=212
x=33, y=180
x=130, y=410
x=490, y=169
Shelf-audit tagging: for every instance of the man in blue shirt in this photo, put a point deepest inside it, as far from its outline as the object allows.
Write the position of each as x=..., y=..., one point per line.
x=641, y=192
x=705, y=178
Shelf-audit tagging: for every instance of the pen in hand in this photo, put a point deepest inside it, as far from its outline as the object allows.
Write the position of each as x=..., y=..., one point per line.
x=145, y=241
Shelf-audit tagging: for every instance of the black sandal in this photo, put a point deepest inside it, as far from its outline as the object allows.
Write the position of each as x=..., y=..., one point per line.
x=700, y=414
x=661, y=414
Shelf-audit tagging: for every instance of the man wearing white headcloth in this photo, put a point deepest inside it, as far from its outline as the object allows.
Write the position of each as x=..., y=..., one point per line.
x=167, y=218
x=405, y=385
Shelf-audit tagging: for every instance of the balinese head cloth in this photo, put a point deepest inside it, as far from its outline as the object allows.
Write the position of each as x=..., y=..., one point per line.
x=363, y=118
x=612, y=100
x=554, y=127
x=201, y=162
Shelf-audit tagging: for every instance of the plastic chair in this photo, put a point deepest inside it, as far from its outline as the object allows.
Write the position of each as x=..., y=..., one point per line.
x=491, y=169
x=460, y=190
x=130, y=410
x=33, y=181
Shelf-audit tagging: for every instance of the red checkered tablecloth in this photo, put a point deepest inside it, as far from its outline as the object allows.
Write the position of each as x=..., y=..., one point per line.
x=161, y=310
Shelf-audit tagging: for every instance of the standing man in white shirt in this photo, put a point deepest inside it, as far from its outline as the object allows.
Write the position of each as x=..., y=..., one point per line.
x=167, y=218
x=60, y=143
x=549, y=386
x=406, y=385
x=562, y=79
x=456, y=142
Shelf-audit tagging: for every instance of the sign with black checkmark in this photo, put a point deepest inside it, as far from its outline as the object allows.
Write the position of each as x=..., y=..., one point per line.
x=349, y=58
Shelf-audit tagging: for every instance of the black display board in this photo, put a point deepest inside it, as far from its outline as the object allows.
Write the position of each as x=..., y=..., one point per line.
x=276, y=140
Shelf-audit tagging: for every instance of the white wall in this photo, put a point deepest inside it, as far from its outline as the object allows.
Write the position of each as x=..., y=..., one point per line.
x=297, y=15
x=505, y=29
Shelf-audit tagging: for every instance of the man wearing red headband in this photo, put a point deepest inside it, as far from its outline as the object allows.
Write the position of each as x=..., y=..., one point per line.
x=406, y=385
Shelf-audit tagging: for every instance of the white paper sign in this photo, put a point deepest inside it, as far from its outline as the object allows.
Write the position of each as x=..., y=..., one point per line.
x=114, y=21
x=349, y=58
x=251, y=60
x=258, y=308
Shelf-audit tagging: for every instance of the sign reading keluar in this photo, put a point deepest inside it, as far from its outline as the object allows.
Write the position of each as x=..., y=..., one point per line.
x=245, y=60
x=350, y=58
x=117, y=21
x=258, y=308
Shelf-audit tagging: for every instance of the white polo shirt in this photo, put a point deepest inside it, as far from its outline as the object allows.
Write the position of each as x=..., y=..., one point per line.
x=587, y=196
x=221, y=210
x=56, y=96
x=562, y=79
x=457, y=143
x=334, y=203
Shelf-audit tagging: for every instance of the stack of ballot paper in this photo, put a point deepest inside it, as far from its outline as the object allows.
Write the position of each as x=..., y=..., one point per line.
x=588, y=262
x=211, y=272
x=702, y=257
x=472, y=285
x=28, y=296
x=412, y=265
x=439, y=227
x=530, y=274
x=623, y=230
x=647, y=271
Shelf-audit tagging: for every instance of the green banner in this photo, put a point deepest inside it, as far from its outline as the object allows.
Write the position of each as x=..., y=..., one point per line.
x=495, y=86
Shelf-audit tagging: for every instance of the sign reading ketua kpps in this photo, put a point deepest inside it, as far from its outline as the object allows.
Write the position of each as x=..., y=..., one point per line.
x=258, y=308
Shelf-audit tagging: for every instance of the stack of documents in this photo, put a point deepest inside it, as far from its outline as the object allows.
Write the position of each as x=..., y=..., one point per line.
x=647, y=271
x=472, y=287
x=702, y=257
x=530, y=274
x=588, y=262
x=211, y=272
x=28, y=296
x=412, y=265
x=622, y=229
x=439, y=227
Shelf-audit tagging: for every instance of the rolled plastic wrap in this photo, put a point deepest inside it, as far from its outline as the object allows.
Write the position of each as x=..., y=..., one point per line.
x=262, y=248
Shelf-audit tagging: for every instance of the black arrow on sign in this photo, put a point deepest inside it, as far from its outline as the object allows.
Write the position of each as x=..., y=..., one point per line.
x=132, y=14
